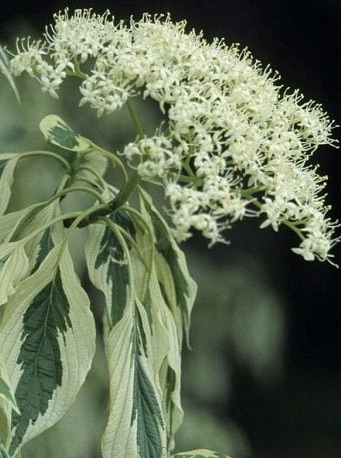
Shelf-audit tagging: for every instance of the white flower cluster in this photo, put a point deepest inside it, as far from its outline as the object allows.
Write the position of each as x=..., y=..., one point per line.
x=155, y=156
x=235, y=145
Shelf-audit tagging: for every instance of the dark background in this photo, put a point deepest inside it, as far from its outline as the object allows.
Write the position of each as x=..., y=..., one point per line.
x=301, y=416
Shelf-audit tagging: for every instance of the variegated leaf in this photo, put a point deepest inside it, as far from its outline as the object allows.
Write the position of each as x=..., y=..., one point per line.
x=7, y=166
x=14, y=266
x=162, y=348
x=5, y=421
x=200, y=453
x=107, y=264
x=9, y=223
x=7, y=404
x=6, y=391
x=141, y=340
x=19, y=257
x=178, y=287
x=3, y=452
x=15, y=225
x=59, y=133
x=135, y=425
x=47, y=336
x=38, y=246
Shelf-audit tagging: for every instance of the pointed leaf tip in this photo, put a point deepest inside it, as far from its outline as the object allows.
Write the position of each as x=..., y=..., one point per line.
x=59, y=133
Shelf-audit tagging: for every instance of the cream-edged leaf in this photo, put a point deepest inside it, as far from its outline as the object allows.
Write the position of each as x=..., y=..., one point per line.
x=30, y=245
x=15, y=225
x=135, y=425
x=179, y=288
x=13, y=338
x=107, y=263
x=5, y=422
x=163, y=347
x=147, y=365
x=8, y=163
x=6, y=391
x=7, y=404
x=200, y=453
x=3, y=452
x=9, y=223
x=59, y=133
x=48, y=340
x=14, y=266
x=39, y=242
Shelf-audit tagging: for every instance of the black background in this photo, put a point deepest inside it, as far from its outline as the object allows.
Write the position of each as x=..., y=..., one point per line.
x=301, y=39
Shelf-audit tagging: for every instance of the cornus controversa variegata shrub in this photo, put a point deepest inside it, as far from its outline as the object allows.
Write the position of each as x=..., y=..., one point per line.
x=232, y=144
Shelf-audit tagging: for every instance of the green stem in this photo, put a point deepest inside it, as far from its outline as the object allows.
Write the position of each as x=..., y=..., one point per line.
x=60, y=159
x=118, y=201
x=128, y=188
x=112, y=157
x=135, y=118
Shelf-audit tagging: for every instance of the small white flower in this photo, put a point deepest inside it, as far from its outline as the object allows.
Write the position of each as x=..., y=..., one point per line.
x=233, y=143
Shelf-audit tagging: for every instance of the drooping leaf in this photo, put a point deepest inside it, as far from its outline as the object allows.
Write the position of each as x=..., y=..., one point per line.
x=135, y=425
x=3, y=452
x=6, y=391
x=18, y=258
x=146, y=409
x=107, y=263
x=144, y=362
x=13, y=224
x=40, y=355
x=200, y=453
x=11, y=333
x=14, y=266
x=8, y=223
x=168, y=362
x=48, y=339
x=7, y=404
x=38, y=247
x=5, y=423
x=178, y=287
x=7, y=167
x=59, y=133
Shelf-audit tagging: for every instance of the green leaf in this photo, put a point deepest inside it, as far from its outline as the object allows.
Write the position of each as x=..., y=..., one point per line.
x=163, y=356
x=14, y=225
x=48, y=339
x=40, y=355
x=20, y=257
x=7, y=167
x=38, y=247
x=178, y=288
x=3, y=452
x=107, y=264
x=7, y=404
x=135, y=425
x=6, y=391
x=143, y=355
x=141, y=337
x=14, y=266
x=200, y=453
x=146, y=411
x=9, y=223
x=59, y=133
